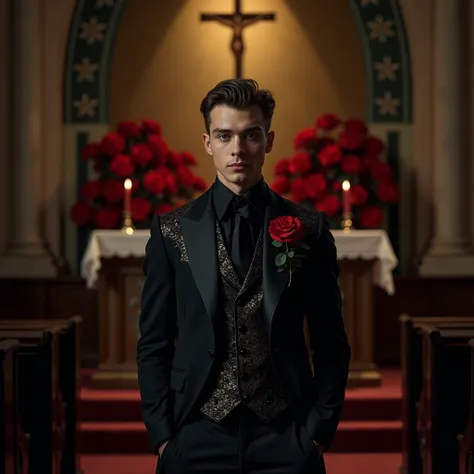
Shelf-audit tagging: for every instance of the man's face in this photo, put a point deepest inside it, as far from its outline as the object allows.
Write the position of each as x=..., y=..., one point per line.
x=238, y=142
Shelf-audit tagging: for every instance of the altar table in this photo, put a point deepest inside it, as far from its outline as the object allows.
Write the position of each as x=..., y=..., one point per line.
x=113, y=260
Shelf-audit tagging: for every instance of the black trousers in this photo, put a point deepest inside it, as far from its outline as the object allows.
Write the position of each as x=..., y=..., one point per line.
x=241, y=444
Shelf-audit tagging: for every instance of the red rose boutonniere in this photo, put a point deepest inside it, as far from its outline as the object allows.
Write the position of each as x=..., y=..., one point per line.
x=287, y=234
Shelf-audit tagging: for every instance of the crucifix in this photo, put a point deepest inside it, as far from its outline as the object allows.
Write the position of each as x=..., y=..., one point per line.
x=237, y=21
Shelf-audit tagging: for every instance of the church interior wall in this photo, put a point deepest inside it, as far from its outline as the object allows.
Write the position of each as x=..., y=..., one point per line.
x=5, y=113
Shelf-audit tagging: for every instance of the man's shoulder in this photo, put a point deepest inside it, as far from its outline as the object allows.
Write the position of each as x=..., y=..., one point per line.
x=311, y=218
x=171, y=218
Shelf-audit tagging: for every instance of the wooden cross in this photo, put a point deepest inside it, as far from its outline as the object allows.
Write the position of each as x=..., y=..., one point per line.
x=237, y=21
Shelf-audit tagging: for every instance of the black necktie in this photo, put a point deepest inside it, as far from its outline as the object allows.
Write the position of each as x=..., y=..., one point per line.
x=241, y=251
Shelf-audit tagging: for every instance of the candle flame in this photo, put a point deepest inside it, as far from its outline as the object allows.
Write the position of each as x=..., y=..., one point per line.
x=346, y=185
x=127, y=184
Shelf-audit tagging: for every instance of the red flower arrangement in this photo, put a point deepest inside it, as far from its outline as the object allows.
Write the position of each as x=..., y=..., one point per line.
x=161, y=178
x=325, y=156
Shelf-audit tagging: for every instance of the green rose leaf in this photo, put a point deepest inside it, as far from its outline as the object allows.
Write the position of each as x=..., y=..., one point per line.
x=280, y=259
x=290, y=254
x=277, y=244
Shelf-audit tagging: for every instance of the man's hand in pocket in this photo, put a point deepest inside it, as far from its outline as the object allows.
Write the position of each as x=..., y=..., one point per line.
x=162, y=448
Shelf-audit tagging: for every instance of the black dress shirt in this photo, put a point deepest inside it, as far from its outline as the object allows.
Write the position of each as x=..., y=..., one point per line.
x=252, y=205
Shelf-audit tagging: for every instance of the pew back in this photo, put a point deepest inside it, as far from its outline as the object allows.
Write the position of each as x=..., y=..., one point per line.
x=415, y=364
x=12, y=442
x=39, y=396
x=69, y=378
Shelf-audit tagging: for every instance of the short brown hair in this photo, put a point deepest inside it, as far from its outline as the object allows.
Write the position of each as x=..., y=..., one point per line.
x=239, y=94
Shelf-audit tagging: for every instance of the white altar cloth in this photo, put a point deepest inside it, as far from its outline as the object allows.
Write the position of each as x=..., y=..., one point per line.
x=363, y=244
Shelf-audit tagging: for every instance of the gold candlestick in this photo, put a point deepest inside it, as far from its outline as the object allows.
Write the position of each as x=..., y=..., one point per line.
x=128, y=227
x=347, y=223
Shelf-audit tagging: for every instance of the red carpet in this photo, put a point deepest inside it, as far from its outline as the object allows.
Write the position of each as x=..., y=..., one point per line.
x=111, y=423
x=335, y=464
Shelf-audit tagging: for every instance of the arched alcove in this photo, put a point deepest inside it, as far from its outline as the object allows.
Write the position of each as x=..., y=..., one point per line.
x=86, y=107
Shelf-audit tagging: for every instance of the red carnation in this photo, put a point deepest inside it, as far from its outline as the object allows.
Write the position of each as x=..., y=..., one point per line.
x=316, y=185
x=141, y=207
x=355, y=127
x=185, y=176
x=373, y=146
x=300, y=163
x=329, y=155
x=107, y=217
x=350, y=141
x=371, y=217
x=158, y=147
x=153, y=182
x=305, y=139
x=81, y=213
x=112, y=144
x=163, y=208
x=121, y=165
x=128, y=129
x=282, y=167
x=350, y=164
x=298, y=190
x=280, y=185
x=113, y=191
x=368, y=160
x=327, y=122
x=174, y=159
x=90, y=190
x=151, y=127
x=325, y=141
x=188, y=159
x=170, y=179
x=329, y=204
x=141, y=154
x=359, y=195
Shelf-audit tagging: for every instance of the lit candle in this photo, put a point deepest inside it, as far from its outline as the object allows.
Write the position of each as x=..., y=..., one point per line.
x=127, y=197
x=346, y=196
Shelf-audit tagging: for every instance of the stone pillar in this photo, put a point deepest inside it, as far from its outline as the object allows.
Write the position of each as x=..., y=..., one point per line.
x=25, y=253
x=450, y=253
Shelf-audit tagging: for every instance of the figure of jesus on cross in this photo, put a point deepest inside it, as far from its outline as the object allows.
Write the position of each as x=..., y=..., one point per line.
x=238, y=21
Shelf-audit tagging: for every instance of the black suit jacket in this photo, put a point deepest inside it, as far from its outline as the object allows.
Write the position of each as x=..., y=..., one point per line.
x=181, y=294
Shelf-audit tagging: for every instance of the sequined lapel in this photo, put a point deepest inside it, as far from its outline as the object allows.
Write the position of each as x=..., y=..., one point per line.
x=225, y=264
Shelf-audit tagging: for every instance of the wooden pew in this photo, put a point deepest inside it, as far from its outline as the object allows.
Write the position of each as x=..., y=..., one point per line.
x=39, y=396
x=69, y=379
x=466, y=441
x=13, y=449
x=418, y=364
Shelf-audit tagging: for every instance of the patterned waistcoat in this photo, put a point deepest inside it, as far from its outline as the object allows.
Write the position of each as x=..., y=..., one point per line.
x=244, y=371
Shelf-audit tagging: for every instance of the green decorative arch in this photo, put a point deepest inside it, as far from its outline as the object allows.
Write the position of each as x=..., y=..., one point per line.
x=387, y=60
x=92, y=33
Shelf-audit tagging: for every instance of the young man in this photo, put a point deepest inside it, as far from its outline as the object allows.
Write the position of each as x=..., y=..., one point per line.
x=225, y=379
